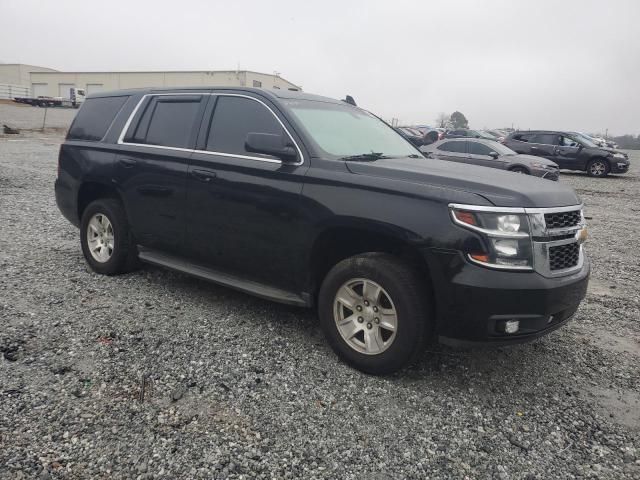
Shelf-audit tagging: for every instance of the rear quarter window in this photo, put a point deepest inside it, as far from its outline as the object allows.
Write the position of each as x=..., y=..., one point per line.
x=95, y=117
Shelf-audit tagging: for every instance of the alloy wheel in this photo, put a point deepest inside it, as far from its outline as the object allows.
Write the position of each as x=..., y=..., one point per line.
x=100, y=238
x=598, y=168
x=365, y=316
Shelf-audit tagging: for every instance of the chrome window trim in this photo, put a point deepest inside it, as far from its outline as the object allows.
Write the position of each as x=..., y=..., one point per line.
x=208, y=152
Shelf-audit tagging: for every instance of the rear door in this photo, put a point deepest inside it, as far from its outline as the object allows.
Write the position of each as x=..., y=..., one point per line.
x=243, y=208
x=151, y=168
x=544, y=145
x=453, y=150
x=519, y=143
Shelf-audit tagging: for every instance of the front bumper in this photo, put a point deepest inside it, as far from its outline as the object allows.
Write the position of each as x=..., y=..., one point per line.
x=619, y=166
x=473, y=302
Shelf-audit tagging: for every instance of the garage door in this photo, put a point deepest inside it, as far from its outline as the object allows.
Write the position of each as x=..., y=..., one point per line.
x=39, y=89
x=94, y=88
x=64, y=89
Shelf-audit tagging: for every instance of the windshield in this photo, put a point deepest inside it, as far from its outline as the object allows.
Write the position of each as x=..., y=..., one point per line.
x=346, y=131
x=586, y=141
x=500, y=148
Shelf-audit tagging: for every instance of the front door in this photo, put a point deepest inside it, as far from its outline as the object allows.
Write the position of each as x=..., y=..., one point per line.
x=453, y=150
x=151, y=167
x=243, y=208
x=568, y=154
x=479, y=154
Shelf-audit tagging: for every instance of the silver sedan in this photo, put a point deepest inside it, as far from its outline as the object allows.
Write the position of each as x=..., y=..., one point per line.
x=477, y=151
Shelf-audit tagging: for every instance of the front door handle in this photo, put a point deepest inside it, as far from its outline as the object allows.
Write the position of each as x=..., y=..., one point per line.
x=203, y=175
x=127, y=162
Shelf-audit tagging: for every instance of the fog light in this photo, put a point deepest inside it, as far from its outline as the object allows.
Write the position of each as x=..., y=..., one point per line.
x=511, y=326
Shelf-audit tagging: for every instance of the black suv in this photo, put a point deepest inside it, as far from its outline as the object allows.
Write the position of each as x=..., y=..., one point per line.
x=570, y=150
x=311, y=201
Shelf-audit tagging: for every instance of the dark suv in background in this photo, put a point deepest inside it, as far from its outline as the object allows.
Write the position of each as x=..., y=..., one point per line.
x=570, y=150
x=314, y=202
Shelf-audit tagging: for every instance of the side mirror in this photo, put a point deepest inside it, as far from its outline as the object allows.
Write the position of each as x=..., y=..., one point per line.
x=494, y=154
x=271, y=144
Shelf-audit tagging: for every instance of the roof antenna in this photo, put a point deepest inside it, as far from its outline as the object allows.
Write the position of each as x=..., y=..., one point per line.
x=349, y=99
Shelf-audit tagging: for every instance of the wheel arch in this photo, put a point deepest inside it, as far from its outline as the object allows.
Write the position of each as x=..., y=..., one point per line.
x=338, y=242
x=519, y=166
x=92, y=190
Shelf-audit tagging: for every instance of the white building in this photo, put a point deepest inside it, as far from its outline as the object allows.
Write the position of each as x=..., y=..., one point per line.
x=42, y=81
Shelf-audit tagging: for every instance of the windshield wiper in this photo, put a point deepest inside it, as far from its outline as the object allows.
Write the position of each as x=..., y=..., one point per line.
x=364, y=157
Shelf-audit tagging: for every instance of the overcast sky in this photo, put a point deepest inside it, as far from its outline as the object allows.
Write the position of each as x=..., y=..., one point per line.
x=537, y=64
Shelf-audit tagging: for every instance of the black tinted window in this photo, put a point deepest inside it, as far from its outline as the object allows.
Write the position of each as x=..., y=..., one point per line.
x=476, y=148
x=233, y=119
x=545, y=139
x=95, y=117
x=169, y=121
x=523, y=137
x=458, y=147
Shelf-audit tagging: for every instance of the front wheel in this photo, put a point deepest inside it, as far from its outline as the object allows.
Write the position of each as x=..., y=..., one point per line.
x=598, y=167
x=521, y=170
x=374, y=311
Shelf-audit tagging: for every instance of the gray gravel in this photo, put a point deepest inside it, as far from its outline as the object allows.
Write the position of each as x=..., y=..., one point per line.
x=157, y=375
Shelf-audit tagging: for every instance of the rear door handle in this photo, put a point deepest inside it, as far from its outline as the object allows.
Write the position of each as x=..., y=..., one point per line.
x=127, y=162
x=203, y=175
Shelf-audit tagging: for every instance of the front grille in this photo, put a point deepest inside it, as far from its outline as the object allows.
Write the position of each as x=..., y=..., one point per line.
x=564, y=256
x=562, y=219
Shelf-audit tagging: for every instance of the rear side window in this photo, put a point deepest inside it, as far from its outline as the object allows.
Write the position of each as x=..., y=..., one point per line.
x=523, y=137
x=95, y=117
x=457, y=146
x=169, y=121
x=545, y=139
x=233, y=119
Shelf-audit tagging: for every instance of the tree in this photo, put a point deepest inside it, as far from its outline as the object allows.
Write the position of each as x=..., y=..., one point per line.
x=459, y=120
x=442, y=120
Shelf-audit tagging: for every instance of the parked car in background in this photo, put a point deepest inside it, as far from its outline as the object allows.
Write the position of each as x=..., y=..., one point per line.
x=430, y=134
x=488, y=153
x=311, y=201
x=411, y=134
x=498, y=134
x=466, y=133
x=570, y=150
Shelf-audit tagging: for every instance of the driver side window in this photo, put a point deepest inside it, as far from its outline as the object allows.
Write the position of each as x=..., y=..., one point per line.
x=568, y=142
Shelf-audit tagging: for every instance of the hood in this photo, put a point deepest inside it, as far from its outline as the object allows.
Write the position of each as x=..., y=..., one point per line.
x=502, y=188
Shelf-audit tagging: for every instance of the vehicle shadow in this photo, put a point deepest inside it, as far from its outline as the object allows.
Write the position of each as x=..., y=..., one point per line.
x=441, y=365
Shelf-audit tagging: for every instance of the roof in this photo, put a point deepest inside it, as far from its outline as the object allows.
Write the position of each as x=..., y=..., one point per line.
x=276, y=93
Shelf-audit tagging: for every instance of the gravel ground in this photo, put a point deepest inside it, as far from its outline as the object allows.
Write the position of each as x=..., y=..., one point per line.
x=157, y=375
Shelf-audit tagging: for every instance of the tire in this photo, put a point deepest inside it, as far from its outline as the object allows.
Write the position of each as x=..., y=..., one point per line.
x=598, y=167
x=118, y=253
x=521, y=170
x=402, y=288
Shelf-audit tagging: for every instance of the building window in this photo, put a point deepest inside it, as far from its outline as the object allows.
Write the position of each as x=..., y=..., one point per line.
x=257, y=83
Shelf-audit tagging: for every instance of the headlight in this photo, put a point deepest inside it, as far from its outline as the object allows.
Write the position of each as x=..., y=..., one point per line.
x=618, y=155
x=507, y=242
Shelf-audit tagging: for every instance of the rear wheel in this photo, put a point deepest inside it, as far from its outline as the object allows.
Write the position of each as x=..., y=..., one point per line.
x=374, y=310
x=107, y=244
x=598, y=167
x=521, y=170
